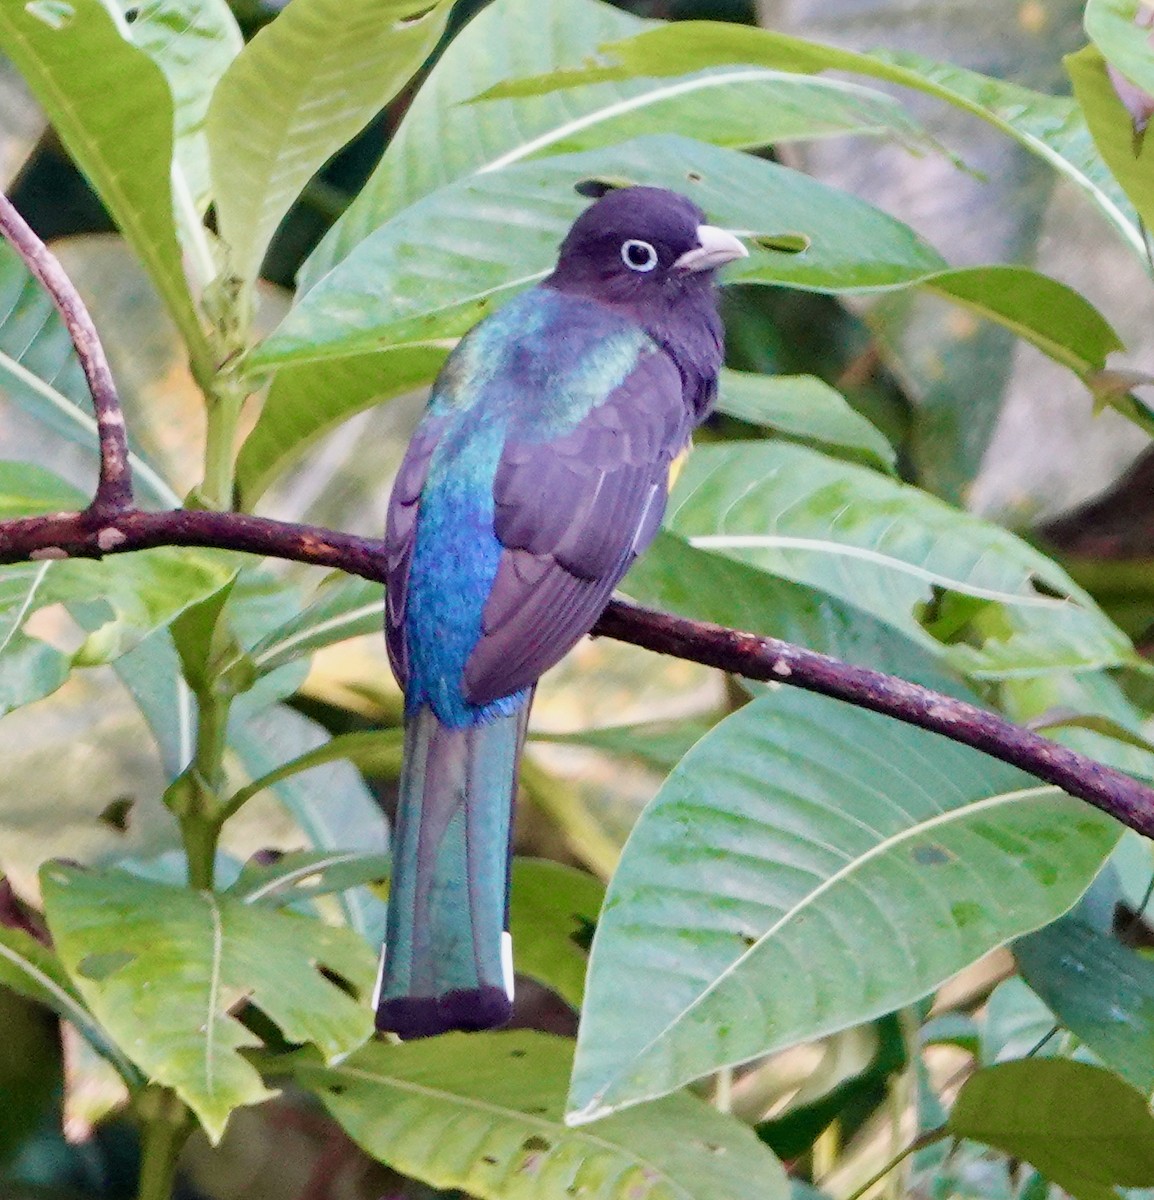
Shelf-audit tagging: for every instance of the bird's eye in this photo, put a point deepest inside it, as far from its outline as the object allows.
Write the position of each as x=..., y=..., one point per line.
x=638, y=256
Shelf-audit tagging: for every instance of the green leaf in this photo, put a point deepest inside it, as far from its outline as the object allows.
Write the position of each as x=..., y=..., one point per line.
x=1130, y=158
x=111, y=105
x=164, y=968
x=1047, y=314
x=376, y=752
x=331, y=804
x=502, y=1096
x=35, y=971
x=890, y=550
x=802, y=406
x=304, y=875
x=1079, y=1125
x=742, y=108
x=308, y=81
x=308, y=400
x=1094, y=696
x=39, y=372
x=31, y=669
x=552, y=912
x=1051, y=128
x=661, y=743
x=1116, y=28
x=435, y=268
x=193, y=42
x=1017, y=1024
x=343, y=608
x=1047, y=126
x=143, y=591
x=672, y=575
x=809, y=866
x=1100, y=990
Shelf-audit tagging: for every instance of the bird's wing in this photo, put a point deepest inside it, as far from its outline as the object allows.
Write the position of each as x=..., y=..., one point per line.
x=572, y=513
x=401, y=537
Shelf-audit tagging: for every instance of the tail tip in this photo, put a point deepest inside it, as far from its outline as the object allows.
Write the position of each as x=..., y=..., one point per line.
x=467, y=1009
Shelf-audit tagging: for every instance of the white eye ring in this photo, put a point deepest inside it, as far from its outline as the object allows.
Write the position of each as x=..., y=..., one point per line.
x=638, y=255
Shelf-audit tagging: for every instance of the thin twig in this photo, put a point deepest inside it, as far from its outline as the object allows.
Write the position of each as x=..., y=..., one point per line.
x=114, y=491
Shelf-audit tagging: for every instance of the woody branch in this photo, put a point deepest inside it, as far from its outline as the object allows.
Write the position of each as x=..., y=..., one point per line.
x=113, y=525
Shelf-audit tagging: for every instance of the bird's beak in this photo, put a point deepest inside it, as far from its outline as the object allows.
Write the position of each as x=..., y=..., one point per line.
x=715, y=248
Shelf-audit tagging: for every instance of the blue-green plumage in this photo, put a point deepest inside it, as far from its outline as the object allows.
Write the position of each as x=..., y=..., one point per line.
x=536, y=476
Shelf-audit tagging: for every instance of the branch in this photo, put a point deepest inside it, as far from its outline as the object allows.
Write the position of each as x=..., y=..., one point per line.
x=774, y=661
x=114, y=491
x=112, y=526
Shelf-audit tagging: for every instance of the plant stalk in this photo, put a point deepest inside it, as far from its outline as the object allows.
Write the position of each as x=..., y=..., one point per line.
x=929, y=1138
x=202, y=815
x=223, y=412
x=165, y=1126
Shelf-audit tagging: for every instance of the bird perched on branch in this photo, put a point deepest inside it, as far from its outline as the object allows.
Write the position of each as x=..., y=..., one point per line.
x=538, y=474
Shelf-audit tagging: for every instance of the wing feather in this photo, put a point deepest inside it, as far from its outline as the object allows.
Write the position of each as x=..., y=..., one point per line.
x=401, y=538
x=572, y=514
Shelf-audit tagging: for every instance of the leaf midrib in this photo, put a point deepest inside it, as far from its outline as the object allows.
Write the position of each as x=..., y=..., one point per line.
x=843, y=872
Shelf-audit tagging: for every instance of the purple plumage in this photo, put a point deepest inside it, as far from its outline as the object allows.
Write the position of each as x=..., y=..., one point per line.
x=537, y=476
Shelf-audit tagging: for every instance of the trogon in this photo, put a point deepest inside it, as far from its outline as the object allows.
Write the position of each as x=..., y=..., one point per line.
x=537, y=475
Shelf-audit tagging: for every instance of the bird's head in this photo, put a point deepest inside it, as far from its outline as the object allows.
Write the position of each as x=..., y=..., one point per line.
x=642, y=246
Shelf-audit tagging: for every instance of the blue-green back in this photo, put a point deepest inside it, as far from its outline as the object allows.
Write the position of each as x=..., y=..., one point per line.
x=530, y=373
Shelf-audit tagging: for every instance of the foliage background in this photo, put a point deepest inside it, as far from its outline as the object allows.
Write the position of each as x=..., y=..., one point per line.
x=974, y=414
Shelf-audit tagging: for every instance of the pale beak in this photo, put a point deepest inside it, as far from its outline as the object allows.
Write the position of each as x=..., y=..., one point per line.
x=715, y=248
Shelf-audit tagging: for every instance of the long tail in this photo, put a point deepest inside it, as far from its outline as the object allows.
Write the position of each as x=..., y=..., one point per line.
x=447, y=961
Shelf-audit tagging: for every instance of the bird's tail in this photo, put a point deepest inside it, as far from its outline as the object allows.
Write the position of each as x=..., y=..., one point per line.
x=447, y=961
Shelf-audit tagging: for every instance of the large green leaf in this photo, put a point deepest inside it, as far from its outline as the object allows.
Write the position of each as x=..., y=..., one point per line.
x=502, y=1094
x=1081, y=1126
x=193, y=42
x=746, y=107
x=802, y=406
x=164, y=968
x=1049, y=127
x=145, y=591
x=308, y=400
x=442, y=263
x=809, y=866
x=112, y=107
x=40, y=372
x=1100, y=990
x=306, y=83
x=891, y=550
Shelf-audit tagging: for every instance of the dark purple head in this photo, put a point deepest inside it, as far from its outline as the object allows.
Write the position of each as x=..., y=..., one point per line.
x=649, y=254
x=644, y=249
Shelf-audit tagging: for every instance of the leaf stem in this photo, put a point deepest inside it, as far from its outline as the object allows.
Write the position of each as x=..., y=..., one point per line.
x=165, y=1125
x=200, y=807
x=929, y=1138
x=225, y=399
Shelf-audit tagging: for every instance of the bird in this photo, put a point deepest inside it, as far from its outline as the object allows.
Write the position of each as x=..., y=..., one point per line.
x=538, y=473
